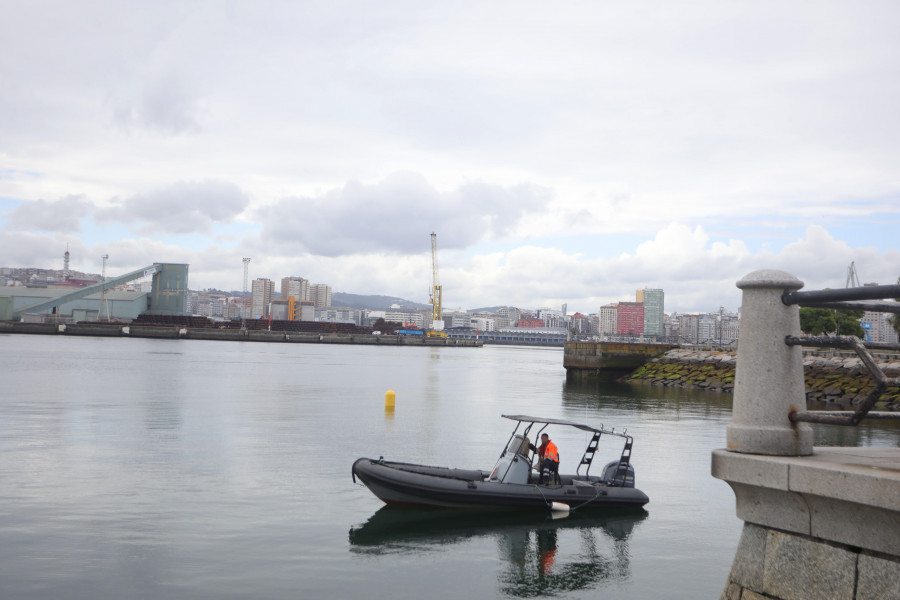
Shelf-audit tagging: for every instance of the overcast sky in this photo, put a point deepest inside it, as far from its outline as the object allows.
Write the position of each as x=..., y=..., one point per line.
x=567, y=152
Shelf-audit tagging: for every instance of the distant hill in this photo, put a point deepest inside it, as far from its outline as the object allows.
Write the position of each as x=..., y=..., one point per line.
x=487, y=309
x=373, y=302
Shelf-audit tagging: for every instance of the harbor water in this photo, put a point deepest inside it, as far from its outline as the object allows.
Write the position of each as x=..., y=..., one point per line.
x=135, y=468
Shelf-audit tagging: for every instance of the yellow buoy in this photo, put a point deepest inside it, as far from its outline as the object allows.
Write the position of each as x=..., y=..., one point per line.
x=389, y=399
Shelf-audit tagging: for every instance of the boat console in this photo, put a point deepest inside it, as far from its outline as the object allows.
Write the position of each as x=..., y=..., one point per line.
x=514, y=466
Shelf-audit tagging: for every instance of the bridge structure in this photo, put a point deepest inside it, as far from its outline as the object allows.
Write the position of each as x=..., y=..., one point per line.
x=168, y=293
x=818, y=522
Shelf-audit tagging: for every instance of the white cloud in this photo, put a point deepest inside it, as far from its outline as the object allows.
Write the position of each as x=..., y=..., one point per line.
x=181, y=208
x=340, y=135
x=63, y=215
x=395, y=215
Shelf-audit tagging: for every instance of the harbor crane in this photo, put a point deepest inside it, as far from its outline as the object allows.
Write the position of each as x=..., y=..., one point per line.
x=437, y=323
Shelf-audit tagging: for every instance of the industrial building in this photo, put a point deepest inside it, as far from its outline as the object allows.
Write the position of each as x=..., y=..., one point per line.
x=100, y=301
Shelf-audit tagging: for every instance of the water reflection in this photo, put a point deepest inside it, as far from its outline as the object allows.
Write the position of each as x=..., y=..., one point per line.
x=591, y=394
x=634, y=398
x=540, y=555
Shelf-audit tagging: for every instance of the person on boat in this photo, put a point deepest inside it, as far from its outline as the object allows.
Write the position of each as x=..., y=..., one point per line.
x=549, y=459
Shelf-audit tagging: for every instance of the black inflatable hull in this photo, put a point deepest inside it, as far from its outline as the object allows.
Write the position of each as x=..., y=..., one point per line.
x=404, y=483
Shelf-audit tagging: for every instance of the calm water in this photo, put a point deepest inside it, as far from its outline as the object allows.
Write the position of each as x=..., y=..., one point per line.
x=173, y=469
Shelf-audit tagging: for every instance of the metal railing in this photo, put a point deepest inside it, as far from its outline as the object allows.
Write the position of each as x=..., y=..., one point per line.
x=848, y=299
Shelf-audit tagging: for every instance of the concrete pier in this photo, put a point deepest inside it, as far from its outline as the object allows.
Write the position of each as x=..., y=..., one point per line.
x=582, y=359
x=818, y=522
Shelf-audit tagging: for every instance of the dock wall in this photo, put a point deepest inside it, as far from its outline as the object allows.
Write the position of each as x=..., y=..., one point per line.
x=229, y=335
x=819, y=526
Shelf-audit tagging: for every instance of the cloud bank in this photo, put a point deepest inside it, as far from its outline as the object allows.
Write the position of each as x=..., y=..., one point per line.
x=562, y=154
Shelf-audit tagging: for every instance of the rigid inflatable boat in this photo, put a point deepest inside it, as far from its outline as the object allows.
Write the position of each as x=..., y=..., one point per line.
x=511, y=483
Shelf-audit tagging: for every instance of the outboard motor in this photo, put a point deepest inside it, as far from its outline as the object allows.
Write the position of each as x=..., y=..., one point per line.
x=609, y=475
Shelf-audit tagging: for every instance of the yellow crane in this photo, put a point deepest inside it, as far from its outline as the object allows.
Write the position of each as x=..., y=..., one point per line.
x=437, y=323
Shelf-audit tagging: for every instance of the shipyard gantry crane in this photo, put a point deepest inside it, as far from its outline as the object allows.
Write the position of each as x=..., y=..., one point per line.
x=437, y=323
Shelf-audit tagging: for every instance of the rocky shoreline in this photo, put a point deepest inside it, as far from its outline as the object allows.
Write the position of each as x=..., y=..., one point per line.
x=831, y=377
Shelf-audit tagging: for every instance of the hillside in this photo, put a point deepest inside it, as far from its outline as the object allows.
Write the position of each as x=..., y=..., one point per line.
x=372, y=302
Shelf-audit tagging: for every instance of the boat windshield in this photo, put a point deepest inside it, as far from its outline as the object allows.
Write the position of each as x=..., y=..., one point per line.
x=519, y=444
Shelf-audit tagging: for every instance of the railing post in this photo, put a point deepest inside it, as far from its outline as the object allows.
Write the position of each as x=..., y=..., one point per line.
x=768, y=381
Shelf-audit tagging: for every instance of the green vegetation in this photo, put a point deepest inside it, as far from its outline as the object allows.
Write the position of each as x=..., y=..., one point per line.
x=818, y=321
x=848, y=323
x=822, y=384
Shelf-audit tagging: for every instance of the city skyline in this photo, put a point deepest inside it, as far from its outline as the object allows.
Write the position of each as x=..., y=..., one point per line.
x=563, y=155
x=320, y=294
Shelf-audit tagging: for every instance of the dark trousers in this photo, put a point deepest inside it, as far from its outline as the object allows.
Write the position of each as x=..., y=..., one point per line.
x=549, y=469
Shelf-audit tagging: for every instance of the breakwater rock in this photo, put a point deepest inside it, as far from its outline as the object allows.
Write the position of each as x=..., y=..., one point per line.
x=831, y=377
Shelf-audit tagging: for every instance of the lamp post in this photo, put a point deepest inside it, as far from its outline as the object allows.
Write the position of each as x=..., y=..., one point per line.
x=104, y=302
x=244, y=296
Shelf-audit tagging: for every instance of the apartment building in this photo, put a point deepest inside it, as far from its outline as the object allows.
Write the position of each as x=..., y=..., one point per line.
x=654, y=313
x=261, y=295
x=630, y=318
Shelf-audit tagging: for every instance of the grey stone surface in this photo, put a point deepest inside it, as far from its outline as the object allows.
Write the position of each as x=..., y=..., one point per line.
x=878, y=579
x=867, y=527
x=865, y=475
x=798, y=568
x=749, y=560
x=732, y=592
x=768, y=380
x=766, y=471
x=771, y=508
x=846, y=495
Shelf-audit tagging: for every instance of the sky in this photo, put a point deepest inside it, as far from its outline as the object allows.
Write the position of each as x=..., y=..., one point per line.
x=563, y=153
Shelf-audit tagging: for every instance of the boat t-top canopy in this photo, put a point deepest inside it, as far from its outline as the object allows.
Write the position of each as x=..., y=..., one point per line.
x=546, y=421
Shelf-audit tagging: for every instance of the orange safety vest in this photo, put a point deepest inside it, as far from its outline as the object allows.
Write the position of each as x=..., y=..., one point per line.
x=550, y=451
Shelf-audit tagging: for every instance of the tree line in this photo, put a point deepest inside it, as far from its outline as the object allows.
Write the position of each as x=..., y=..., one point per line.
x=828, y=321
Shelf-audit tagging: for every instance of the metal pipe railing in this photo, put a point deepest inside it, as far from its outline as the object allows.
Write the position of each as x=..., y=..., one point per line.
x=848, y=299
x=846, y=417
x=869, y=292
x=886, y=307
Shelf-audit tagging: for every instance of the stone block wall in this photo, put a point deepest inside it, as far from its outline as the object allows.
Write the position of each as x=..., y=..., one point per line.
x=787, y=566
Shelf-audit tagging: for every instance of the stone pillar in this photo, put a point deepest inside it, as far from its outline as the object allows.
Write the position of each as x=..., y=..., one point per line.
x=768, y=381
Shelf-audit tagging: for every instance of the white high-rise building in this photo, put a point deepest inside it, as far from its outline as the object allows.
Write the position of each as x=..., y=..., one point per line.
x=507, y=317
x=261, y=296
x=608, y=319
x=879, y=328
x=552, y=319
x=407, y=317
x=320, y=295
x=296, y=287
x=654, y=313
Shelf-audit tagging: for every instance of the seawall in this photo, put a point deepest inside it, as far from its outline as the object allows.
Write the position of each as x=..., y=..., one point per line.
x=591, y=359
x=228, y=335
x=830, y=377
